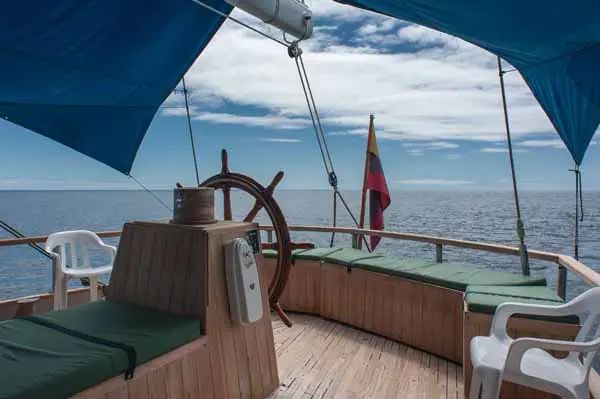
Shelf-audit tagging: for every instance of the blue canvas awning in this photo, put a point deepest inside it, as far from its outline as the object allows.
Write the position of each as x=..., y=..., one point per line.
x=91, y=74
x=555, y=44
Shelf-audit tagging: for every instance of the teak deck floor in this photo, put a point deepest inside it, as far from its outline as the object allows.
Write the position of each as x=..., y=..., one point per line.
x=319, y=358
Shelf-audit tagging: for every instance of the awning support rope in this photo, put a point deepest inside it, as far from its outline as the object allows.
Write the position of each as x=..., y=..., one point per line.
x=578, y=210
x=520, y=227
x=295, y=52
x=189, y=121
x=146, y=189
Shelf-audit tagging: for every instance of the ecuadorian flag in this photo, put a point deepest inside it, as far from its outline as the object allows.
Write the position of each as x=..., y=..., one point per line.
x=379, y=196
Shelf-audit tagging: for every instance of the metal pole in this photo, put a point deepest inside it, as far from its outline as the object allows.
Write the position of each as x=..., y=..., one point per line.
x=520, y=228
x=189, y=121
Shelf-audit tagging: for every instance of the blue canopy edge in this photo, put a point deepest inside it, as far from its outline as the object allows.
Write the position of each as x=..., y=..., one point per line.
x=91, y=74
x=555, y=45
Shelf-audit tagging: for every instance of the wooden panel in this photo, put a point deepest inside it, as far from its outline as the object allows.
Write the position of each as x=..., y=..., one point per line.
x=403, y=310
x=161, y=266
x=477, y=324
x=165, y=376
x=334, y=292
x=408, y=311
x=236, y=361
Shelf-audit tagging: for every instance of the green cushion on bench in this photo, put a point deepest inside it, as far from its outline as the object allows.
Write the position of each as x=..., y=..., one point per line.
x=486, y=298
x=37, y=361
x=315, y=253
x=272, y=253
x=348, y=256
x=398, y=267
x=458, y=277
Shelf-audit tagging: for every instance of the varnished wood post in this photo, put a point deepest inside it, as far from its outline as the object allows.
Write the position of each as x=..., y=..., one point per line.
x=363, y=199
x=438, y=253
x=561, y=282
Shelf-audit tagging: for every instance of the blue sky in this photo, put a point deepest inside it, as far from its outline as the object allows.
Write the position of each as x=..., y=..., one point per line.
x=435, y=99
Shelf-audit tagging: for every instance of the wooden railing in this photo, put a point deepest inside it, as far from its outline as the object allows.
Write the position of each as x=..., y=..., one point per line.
x=563, y=262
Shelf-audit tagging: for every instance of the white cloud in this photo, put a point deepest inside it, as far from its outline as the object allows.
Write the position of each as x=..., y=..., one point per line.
x=280, y=140
x=271, y=121
x=434, y=182
x=498, y=150
x=415, y=153
x=555, y=143
x=445, y=92
x=435, y=145
x=453, y=157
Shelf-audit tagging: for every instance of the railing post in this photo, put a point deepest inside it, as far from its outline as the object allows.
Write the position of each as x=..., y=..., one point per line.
x=355, y=240
x=269, y=235
x=438, y=253
x=561, y=282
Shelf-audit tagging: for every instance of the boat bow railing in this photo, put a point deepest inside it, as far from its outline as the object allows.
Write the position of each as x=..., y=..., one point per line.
x=563, y=262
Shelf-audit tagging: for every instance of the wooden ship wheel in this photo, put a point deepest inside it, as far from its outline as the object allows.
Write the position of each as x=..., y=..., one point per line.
x=263, y=197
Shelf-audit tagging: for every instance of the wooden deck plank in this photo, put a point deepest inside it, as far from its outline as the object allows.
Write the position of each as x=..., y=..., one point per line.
x=319, y=358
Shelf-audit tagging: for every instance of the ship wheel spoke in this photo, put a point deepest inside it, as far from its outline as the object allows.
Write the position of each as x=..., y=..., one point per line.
x=258, y=205
x=227, y=203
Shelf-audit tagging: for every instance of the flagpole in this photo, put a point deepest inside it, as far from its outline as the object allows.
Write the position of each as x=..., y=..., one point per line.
x=363, y=200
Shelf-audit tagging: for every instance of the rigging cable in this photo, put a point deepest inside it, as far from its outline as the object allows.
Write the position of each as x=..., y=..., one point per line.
x=520, y=227
x=295, y=52
x=189, y=121
x=237, y=21
x=17, y=234
x=146, y=189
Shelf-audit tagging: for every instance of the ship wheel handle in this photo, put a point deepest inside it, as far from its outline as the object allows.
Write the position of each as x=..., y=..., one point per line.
x=263, y=197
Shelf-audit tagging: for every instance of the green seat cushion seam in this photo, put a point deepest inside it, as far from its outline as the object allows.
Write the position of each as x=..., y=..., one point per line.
x=351, y=263
x=129, y=349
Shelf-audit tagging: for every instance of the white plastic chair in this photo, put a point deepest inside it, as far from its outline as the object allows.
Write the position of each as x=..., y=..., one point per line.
x=525, y=361
x=70, y=250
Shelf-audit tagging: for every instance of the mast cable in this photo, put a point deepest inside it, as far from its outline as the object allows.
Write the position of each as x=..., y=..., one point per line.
x=520, y=227
x=146, y=189
x=189, y=121
x=295, y=52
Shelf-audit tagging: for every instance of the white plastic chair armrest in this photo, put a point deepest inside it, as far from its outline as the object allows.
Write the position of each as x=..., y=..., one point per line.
x=507, y=309
x=521, y=345
x=111, y=250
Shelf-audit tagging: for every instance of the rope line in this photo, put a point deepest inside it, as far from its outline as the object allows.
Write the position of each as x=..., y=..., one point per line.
x=237, y=21
x=189, y=121
x=17, y=234
x=520, y=227
x=146, y=189
x=295, y=52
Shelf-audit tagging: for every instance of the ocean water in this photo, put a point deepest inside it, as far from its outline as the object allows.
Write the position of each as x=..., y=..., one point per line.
x=469, y=215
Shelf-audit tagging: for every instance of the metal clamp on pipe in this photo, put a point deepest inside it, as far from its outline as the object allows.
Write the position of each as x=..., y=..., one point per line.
x=291, y=16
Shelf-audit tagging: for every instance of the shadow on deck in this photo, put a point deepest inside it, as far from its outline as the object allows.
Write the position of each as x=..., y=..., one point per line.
x=318, y=358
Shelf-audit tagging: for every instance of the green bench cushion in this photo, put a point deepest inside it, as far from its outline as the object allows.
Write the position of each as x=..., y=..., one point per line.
x=486, y=298
x=316, y=253
x=348, y=256
x=37, y=361
x=272, y=253
x=398, y=267
x=458, y=277
x=447, y=275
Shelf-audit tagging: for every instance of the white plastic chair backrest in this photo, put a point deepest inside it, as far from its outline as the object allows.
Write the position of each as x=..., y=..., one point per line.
x=587, y=302
x=72, y=243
